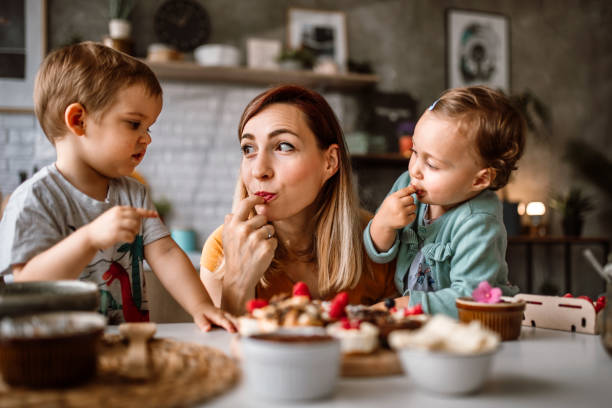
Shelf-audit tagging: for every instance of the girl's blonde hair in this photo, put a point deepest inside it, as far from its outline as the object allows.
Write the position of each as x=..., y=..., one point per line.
x=336, y=246
x=493, y=122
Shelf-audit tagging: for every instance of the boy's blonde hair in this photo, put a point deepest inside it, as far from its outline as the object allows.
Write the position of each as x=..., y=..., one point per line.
x=87, y=73
x=492, y=121
x=337, y=247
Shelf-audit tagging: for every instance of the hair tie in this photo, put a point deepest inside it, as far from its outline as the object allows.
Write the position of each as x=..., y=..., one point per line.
x=433, y=105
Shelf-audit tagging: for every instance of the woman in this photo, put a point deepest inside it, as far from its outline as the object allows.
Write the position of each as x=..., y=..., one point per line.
x=295, y=215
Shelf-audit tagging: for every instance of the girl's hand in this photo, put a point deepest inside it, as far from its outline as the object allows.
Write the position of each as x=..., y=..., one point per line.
x=118, y=224
x=396, y=211
x=206, y=313
x=248, y=245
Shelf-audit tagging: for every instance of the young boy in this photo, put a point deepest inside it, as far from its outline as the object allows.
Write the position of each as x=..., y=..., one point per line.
x=441, y=219
x=81, y=217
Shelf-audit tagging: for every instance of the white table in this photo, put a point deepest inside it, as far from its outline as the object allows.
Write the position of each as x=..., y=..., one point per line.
x=545, y=368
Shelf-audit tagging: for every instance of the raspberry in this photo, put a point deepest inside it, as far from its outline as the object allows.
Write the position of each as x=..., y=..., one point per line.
x=256, y=304
x=336, y=310
x=568, y=295
x=585, y=298
x=601, y=303
x=348, y=324
x=301, y=289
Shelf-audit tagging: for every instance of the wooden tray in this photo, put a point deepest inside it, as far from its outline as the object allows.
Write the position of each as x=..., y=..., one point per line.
x=383, y=362
x=181, y=374
x=560, y=313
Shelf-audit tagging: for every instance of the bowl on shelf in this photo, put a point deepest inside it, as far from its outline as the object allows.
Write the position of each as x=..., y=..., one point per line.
x=18, y=298
x=504, y=318
x=291, y=365
x=217, y=55
x=56, y=349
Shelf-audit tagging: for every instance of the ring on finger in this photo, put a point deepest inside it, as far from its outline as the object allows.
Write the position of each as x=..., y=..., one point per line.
x=269, y=235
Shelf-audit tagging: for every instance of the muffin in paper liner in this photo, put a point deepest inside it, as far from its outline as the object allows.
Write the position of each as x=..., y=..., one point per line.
x=504, y=318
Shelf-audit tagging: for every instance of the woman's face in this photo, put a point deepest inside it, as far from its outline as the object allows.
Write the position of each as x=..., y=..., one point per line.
x=282, y=162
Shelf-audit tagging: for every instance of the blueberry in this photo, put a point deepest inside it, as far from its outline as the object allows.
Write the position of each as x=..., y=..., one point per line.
x=389, y=303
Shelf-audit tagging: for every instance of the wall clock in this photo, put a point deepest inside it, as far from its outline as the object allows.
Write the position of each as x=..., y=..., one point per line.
x=182, y=23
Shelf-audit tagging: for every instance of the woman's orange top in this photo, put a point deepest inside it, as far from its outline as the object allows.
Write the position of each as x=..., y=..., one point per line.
x=371, y=288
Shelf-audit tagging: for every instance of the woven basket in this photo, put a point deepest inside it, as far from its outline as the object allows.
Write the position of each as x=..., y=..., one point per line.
x=503, y=318
x=181, y=374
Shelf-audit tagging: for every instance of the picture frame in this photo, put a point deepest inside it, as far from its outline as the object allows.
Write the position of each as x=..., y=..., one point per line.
x=263, y=53
x=320, y=31
x=23, y=39
x=477, y=49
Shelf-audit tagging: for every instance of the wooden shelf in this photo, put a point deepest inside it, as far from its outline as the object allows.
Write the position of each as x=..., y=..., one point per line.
x=189, y=71
x=388, y=159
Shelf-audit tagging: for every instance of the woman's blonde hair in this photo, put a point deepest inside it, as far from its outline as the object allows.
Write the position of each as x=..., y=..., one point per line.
x=336, y=243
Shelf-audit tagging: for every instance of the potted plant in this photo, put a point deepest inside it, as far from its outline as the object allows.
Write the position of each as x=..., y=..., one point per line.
x=573, y=207
x=295, y=59
x=119, y=12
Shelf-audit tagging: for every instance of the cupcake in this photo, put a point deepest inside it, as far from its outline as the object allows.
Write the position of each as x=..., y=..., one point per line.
x=502, y=315
x=355, y=337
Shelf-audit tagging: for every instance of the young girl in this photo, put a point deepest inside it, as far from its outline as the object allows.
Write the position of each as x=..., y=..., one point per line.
x=442, y=219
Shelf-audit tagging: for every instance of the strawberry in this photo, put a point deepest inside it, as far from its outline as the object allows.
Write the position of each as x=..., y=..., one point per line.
x=256, y=304
x=339, y=302
x=301, y=289
x=568, y=295
x=414, y=310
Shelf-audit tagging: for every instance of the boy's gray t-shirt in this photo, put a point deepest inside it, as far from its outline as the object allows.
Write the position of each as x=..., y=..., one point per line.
x=47, y=208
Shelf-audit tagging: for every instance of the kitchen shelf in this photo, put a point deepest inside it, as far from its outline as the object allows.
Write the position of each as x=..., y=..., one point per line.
x=386, y=159
x=189, y=71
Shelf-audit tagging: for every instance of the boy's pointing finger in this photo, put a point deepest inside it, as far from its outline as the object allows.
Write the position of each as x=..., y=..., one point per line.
x=144, y=213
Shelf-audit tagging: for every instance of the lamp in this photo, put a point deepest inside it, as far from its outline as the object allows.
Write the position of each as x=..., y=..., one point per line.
x=535, y=210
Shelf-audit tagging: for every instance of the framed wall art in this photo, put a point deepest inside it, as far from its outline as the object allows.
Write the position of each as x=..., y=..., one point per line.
x=477, y=49
x=321, y=32
x=22, y=47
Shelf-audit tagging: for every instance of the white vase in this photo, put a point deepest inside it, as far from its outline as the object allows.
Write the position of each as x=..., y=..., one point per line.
x=119, y=28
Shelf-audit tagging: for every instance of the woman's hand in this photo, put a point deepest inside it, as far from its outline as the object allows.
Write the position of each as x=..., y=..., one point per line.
x=248, y=246
x=396, y=211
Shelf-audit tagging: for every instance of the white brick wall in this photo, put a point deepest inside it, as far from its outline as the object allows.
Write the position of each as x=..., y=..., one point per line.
x=193, y=159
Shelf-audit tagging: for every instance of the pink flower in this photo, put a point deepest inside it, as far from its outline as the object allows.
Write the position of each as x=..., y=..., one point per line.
x=484, y=293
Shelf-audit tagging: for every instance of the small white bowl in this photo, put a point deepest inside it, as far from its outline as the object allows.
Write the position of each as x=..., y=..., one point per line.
x=217, y=55
x=291, y=366
x=447, y=373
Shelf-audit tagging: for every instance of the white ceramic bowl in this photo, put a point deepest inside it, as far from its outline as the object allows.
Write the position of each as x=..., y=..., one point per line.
x=291, y=366
x=217, y=55
x=446, y=373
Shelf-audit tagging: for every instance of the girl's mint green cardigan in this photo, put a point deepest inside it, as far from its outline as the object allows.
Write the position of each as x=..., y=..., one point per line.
x=463, y=247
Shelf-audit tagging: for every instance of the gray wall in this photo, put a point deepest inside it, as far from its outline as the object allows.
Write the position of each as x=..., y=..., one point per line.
x=561, y=50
